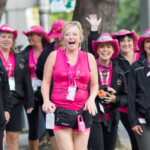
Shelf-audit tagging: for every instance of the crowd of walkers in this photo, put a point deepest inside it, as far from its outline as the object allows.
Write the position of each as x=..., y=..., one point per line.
x=88, y=92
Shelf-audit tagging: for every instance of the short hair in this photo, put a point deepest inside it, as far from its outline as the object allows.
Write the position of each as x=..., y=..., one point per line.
x=120, y=38
x=71, y=24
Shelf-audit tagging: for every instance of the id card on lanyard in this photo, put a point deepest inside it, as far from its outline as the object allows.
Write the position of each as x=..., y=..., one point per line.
x=35, y=83
x=72, y=85
x=12, y=84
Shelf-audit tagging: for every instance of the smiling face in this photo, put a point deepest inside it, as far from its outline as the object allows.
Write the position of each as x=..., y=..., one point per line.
x=126, y=44
x=72, y=38
x=6, y=40
x=34, y=39
x=105, y=51
x=147, y=46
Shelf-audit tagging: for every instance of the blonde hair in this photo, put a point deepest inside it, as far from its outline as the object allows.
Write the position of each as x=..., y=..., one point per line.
x=71, y=24
x=13, y=47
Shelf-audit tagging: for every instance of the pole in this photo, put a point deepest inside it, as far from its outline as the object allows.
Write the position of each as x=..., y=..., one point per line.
x=44, y=11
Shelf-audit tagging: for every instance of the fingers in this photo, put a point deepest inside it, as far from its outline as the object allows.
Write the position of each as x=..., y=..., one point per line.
x=137, y=129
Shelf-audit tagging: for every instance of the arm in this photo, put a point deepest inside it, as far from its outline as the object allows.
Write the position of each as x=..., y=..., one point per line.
x=95, y=23
x=90, y=104
x=131, y=102
x=41, y=61
x=45, y=87
x=29, y=100
x=6, y=97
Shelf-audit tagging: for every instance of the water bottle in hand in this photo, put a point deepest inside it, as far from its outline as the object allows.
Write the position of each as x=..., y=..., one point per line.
x=50, y=120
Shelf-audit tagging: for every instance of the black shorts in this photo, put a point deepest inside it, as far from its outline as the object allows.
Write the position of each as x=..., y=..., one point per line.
x=15, y=122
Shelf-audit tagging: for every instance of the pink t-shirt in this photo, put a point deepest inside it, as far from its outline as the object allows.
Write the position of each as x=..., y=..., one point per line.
x=136, y=57
x=61, y=82
x=9, y=64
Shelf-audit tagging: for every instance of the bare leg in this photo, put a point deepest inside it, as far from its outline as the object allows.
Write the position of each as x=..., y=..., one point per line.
x=4, y=140
x=80, y=140
x=12, y=140
x=34, y=145
x=64, y=139
x=53, y=143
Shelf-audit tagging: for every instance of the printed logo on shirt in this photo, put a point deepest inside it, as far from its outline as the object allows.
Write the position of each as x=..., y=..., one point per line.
x=118, y=82
x=21, y=66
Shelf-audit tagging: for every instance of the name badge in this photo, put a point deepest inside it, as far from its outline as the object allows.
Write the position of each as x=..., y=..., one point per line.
x=148, y=74
x=71, y=93
x=12, y=84
x=35, y=84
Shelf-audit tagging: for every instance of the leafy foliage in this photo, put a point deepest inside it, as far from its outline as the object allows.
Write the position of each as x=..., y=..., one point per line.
x=62, y=15
x=128, y=15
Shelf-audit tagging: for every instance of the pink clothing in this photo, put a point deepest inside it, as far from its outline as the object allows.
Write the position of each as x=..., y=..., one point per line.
x=9, y=64
x=80, y=77
x=74, y=130
x=103, y=82
x=136, y=57
x=32, y=62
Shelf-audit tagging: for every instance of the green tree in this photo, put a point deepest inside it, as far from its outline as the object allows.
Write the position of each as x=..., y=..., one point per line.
x=128, y=15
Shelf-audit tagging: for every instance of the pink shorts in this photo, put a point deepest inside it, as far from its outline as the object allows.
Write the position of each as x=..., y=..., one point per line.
x=74, y=130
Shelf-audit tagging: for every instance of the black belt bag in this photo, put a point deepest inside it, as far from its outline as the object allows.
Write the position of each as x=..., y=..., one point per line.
x=66, y=117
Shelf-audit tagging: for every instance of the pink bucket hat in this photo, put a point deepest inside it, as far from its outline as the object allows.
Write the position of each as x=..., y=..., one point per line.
x=145, y=35
x=123, y=32
x=106, y=38
x=7, y=28
x=37, y=30
x=56, y=30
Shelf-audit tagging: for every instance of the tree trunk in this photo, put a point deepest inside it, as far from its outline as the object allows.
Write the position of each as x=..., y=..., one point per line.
x=2, y=7
x=106, y=9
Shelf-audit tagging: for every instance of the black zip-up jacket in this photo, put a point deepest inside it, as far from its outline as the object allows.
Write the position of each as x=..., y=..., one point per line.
x=138, y=90
x=22, y=83
x=42, y=59
x=118, y=83
x=5, y=98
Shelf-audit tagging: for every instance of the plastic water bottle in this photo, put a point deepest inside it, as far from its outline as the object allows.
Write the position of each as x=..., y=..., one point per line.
x=50, y=120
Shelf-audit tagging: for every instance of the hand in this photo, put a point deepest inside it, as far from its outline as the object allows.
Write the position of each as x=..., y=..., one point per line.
x=48, y=107
x=137, y=129
x=94, y=22
x=90, y=104
x=29, y=110
x=7, y=116
x=111, y=90
x=110, y=98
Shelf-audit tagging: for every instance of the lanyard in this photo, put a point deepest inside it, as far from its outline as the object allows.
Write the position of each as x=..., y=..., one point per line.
x=9, y=65
x=70, y=75
x=33, y=55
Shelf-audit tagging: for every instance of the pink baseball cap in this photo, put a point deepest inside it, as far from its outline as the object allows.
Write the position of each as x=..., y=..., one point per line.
x=106, y=38
x=7, y=28
x=124, y=32
x=37, y=30
x=145, y=35
x=56, y=30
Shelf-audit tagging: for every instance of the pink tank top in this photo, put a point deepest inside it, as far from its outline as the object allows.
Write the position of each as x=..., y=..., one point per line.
x=136, y=57
x=9, y=64
x=61, y=82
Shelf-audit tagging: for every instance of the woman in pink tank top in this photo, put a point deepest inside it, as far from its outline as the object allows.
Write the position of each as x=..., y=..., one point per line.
x=71, y=70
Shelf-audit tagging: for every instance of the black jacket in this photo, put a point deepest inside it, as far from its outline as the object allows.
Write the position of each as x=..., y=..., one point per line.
x=118, y=83
x=138, y=90
x=5, y=98
x=22, y=83
x=42, y=59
